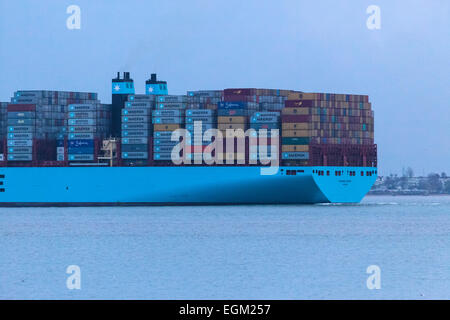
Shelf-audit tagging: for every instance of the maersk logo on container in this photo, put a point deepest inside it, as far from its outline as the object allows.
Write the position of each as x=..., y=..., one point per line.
x=234, y=144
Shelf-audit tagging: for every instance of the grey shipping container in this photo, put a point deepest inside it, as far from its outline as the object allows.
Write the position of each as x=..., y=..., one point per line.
x=162, y=134
x=20, y=115
x=264, y=119
x=134, y=133
x=20, y=143
x=199, y=112
x=81, y=136
x=134, y=155
x=164, y=142
x=295, y=155
x=162, y=156
x=82, y=122
x=86, y=129
x=20, y=157
x=21, y=129
x=166, y=113
x=20, y=149
x=20, y=136
x=81, y=157
x=199, y=118
x=141, y=119
x=172, y=98
x=29, y=94
x=141, y=97
x=141, y=104
x=82, y=107
x=162, y=149
x=135, y=112
x=134, y=126
x=82, y=115
x=166, y=120
x=134, y=140
x=161, y=106
x=134, y=148
x=265, y=114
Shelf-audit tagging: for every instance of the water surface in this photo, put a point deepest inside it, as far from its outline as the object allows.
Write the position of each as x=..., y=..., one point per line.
x=235, y=252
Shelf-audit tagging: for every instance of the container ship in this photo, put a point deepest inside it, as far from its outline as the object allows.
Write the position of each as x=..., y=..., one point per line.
x=206, y=147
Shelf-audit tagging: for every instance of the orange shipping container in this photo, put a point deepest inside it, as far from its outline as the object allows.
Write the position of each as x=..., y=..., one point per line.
x=231, y=119
x=295, y=148
x=166, y=127
x=230, y=156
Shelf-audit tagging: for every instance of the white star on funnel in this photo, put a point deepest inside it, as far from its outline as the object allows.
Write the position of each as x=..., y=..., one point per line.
x=116, y=87
x=150, y=89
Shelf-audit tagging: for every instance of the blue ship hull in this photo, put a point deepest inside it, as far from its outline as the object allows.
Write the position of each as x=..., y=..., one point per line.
x=202, y=185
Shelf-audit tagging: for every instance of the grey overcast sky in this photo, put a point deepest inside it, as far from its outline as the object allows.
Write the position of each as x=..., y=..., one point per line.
x=316, y=46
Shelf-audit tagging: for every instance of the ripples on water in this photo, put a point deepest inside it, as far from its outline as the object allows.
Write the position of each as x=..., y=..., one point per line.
x=238, y=252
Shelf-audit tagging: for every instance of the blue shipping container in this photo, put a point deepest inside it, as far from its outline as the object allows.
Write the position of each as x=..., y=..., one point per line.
x=81, y=143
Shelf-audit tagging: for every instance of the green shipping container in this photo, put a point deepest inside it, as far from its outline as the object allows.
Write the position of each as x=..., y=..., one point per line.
x=295, y=140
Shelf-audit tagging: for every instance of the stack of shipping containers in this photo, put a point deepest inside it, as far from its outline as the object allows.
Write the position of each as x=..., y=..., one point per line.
x=136, y=129
x=197, y=122
x=263, y=122
x=317, y=129
x=166, y=118
x=296, y=125
x=328, y=129
x=82, y=127
x=36, y=122
x=21, y=129
x=3, y=125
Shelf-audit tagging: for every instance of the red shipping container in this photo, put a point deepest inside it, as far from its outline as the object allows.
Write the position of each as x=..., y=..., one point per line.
x=240, y=92
x=21, y=107
x=295, y=119
x=240, y=98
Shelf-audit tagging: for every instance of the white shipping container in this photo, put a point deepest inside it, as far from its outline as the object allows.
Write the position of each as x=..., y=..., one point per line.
x=20, y=143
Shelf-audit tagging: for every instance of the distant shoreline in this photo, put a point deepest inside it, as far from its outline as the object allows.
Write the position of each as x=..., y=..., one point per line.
x=405, y=193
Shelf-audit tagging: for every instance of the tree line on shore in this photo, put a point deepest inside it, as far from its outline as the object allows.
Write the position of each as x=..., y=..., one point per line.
x=433, y=183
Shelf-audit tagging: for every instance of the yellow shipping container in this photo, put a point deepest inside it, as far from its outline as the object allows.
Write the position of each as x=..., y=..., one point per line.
x=231, y=119
x=295, y=148
x=296, y=126
x=165, y=127
x=295, y=111
x=308, y=96
x=293, y=96
x=230, y=133
x=296, y=133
